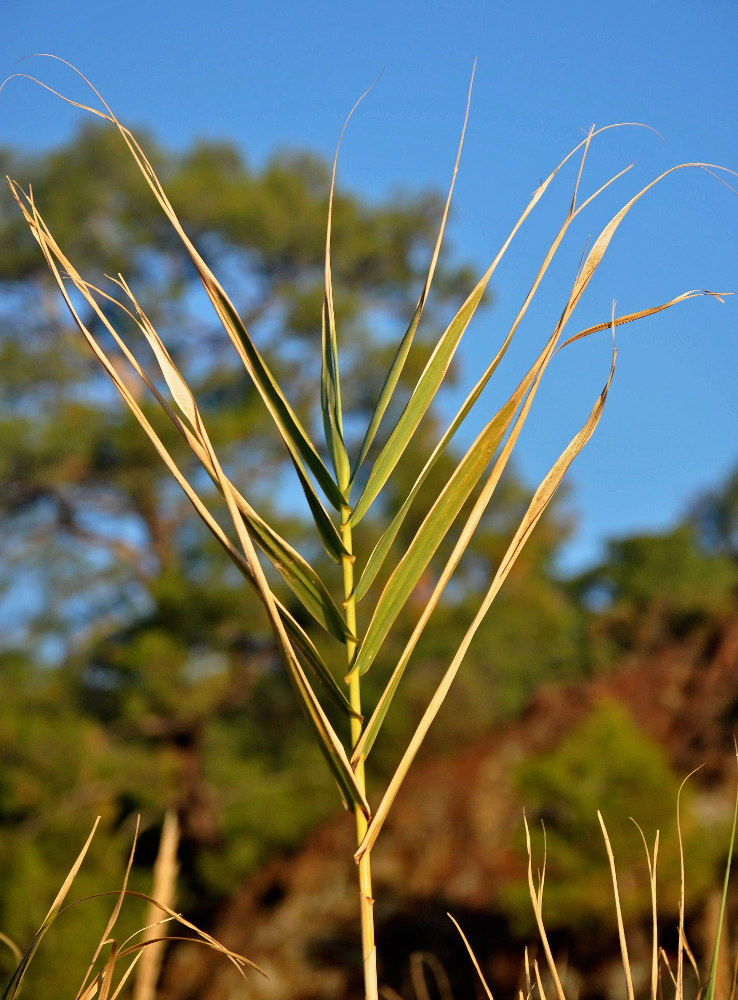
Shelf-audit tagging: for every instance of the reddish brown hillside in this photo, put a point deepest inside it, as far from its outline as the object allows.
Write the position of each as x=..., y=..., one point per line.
x=453, y=843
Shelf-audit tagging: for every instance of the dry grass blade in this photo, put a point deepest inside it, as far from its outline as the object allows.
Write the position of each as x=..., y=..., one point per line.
x=419, y=962
x=104, y=979
x=16, y=979
x=12, y=946
x=126, y=975
x=179, y=389
x=667, y=965
x=713, y=977
x=548, y=487
x=113, y=919
x=618, y=910
x=682, y=943
x=652, y=863
x=441, y=357
x=201, y=936
x=247, y=561
x=603, y=240
x=293, y=434
x=539, y=981
x=472, y=956
x=642, y=314
x=536, y=898
x=541, y=498
x=293, y=568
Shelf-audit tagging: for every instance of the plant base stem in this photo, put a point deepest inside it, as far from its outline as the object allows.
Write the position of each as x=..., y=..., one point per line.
x=366, y=899
x=368, y=947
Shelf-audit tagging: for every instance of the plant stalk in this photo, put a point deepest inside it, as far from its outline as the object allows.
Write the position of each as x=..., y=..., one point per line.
x=368, y=947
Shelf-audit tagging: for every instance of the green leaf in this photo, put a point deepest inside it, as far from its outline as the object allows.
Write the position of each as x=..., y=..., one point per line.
x=328, y=741
x=299, y=576
x=330, y=401
x=432, y=531
x=296, y=572
x=421, y=398
x=316, y=663
x=330, y=745
x=540, y=500
x=384, y=544
x=330, y=387
x=532, y=378
x=398, y=362
x=294, y=436
x=327, y=530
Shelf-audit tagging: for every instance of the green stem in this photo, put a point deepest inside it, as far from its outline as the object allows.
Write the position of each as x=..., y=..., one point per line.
x=368, y=947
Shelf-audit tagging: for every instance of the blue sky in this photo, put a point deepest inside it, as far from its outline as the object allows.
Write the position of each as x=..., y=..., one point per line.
x=277, y=75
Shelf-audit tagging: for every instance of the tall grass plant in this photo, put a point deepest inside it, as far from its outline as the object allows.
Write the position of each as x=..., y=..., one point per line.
x=341, y=488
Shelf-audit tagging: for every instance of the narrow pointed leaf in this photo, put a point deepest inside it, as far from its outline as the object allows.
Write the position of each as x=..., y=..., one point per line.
x=328, y=741
x=437, y=366
x=294, y=569
x=293, y=434
x=330, y=387
x=541, y=499
x=398, y=362
x=536, y=898
x=382, y=548
x=179, y=389
x=300, y=577
x=13, y=987
x=421, y=398
x=330, y=403
x=642, y=313
x=432, y=531
x=312, y=659
x=327, y=531
x=604, y=239
x=374, y=724
x=529, y=384
x=384, y=544
x=618, y=909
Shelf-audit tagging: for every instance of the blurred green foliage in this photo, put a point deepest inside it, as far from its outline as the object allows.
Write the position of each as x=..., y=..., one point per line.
x=653, y=588
x=606, y=762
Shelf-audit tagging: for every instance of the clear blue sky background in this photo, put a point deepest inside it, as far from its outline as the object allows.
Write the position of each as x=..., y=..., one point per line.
x=280, y=74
